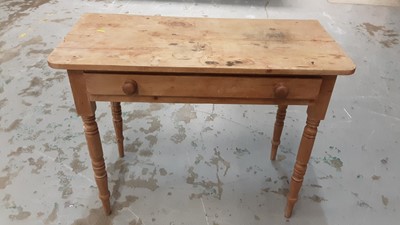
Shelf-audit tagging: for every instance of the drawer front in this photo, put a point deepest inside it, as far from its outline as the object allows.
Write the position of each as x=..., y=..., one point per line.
x=202, y=86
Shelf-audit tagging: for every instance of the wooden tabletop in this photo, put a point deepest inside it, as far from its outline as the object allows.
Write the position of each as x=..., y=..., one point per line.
x=111, y=42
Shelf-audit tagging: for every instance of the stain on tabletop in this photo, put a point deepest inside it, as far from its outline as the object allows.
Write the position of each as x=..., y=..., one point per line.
x=234, y=62
x=211, y=62
x=198, y=47
x=176, y=23
x=270, y=35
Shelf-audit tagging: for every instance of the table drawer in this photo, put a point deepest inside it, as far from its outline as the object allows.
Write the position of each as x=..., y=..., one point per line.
x=202, y=86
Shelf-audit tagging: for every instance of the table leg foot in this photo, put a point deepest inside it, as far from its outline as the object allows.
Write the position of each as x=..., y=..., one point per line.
x=117, y=120
x=289, y=209
x=96, y=154
x=105, y=200
x=279, y=122
x=303, y=156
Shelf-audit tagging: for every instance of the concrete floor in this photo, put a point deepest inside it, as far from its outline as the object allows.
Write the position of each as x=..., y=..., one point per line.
x=198, y=164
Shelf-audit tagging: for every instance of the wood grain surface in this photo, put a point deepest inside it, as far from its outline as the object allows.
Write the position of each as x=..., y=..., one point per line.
x=112, y=42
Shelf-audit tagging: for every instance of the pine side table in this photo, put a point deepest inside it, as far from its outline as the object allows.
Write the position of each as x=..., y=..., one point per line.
x=127, y=58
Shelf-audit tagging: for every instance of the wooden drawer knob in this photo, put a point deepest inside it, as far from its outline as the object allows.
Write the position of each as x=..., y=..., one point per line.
x=129, y=87
x=281, y=91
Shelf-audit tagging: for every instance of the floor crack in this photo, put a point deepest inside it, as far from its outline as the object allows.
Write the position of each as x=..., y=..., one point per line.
x=265, y=7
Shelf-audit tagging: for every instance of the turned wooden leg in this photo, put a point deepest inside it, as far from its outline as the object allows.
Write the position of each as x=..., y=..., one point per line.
x=279, y=122
x=96, y=154
x=303, y=155
x=117, y=120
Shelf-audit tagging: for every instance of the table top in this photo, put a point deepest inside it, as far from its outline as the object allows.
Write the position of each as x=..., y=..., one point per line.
x=113, y=42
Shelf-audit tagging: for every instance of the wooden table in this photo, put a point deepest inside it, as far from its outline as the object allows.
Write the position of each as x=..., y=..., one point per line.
x=125, y=58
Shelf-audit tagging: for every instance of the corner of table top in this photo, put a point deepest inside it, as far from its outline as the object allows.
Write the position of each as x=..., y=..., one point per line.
x=51, y=61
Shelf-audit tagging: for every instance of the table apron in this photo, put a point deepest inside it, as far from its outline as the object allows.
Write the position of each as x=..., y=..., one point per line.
x=241, y=101
x=202, y=89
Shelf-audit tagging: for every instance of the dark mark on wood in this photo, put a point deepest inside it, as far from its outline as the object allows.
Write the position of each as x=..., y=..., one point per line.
x=212, y=63
x=232, y=63
x=199, y=47
x=176, y=24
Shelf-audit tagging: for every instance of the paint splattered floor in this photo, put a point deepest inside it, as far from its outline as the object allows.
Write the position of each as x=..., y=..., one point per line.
x=198, y=164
